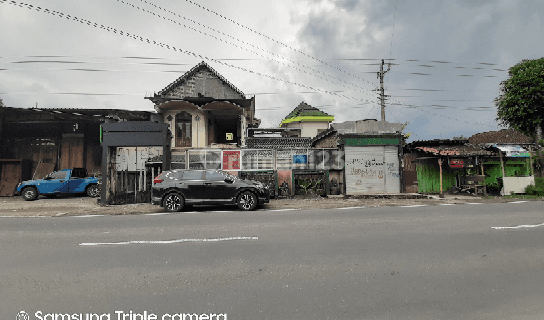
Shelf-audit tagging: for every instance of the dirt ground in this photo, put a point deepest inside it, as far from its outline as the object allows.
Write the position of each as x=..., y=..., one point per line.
x=72, y=206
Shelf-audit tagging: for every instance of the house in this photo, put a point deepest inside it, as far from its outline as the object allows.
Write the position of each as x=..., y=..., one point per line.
x=306, y=121
x=205, y=110
x=497, y=155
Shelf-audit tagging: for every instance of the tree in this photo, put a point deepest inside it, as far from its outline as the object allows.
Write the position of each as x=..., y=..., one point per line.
x=521, y=102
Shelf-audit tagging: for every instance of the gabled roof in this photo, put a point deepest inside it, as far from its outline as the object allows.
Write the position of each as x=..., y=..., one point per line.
x=504, y=136
x=323, y=135
x=305, y=112
x=202, y=65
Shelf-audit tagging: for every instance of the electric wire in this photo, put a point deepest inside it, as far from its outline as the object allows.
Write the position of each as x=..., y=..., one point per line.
x=163, y=45
x=142, y=39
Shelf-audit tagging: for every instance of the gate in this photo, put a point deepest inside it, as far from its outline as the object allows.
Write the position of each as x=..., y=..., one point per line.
x=269, y=178
x=310, y=181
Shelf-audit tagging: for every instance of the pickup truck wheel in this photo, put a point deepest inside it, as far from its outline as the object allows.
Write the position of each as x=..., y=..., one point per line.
x=247, y=201
x=93, y=191
x=29, y=194
x=173, y=202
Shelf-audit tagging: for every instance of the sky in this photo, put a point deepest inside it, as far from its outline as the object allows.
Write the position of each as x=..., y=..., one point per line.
x=446, y=59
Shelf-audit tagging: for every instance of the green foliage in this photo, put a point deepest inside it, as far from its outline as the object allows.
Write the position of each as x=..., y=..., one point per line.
x=521, y=103
x=539, y=182
x=534, y=191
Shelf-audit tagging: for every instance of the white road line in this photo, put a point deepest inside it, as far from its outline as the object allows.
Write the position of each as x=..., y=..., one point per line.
x=158, y=214
x=219, y=211
x=25, y=217
x=91, y=215
x=473, y=203
x=518, y=201
x=416, y=205
x=284, y=210
x=447, y=204
x=345, y=208
x=167, y=241
x=520, y=227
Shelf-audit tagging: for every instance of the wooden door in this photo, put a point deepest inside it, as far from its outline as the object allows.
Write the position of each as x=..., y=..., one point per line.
x=71, y=151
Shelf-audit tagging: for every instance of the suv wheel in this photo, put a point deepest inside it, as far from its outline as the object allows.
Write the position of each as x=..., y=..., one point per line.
x=29, y=194
x=247, y=201
x=173, y=202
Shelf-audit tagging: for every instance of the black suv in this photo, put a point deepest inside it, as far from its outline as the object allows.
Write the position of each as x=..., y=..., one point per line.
x=175, y=189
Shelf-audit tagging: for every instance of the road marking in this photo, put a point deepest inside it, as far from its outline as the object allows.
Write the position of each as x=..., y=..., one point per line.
x=158, y=214
x=416, y=205
x=447, y=204
x=220, y=211
x=91, y=215
x=520, y=227
x=518, y=201
x=473, y=203
x=284, y=210
x=167, y=241
x=345, y=208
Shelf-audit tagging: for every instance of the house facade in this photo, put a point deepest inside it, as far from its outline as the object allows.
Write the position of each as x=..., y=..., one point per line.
x=204, y=110
x=306, y=121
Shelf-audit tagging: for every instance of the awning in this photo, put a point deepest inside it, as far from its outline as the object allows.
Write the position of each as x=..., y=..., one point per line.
x=513, y=151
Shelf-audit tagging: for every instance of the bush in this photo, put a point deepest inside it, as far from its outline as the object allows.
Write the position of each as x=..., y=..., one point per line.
x=534, y=191
x=539, y=182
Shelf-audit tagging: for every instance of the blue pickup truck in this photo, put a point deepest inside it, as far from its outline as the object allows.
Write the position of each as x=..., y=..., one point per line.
x=60, y=182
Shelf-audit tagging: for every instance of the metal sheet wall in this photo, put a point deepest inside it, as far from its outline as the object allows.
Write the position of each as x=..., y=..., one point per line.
x=372, y=170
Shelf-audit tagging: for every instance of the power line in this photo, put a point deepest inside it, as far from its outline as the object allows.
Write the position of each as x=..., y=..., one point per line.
x=280, y=62
x=163, y=45
x=135, y=37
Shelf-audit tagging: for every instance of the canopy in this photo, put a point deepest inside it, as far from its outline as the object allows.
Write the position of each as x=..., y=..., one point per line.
x=513, y=151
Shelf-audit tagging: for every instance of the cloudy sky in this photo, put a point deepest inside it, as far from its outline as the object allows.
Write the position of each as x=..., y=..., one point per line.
x=447, y=58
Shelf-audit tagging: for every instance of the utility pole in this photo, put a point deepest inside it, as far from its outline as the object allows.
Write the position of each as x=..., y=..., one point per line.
x=382, y=90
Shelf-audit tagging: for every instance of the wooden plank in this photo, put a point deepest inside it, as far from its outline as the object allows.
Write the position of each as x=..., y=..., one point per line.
x=11, y=176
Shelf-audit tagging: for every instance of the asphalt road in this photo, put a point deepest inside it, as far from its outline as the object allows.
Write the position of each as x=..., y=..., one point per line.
x=434, y=262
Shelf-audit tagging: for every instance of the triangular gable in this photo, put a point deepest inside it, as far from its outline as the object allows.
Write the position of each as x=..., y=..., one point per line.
x=305, y=112
x=202, y=81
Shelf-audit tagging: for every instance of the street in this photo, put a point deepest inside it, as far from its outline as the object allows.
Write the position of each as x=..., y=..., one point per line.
x=464, y=261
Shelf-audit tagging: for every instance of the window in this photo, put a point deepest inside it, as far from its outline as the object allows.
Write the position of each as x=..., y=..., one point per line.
x=193, y=175
x=58, y=175
x=183, y=129
x=213, y=175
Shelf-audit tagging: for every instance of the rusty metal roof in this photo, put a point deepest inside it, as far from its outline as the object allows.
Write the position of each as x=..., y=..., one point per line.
x=456, y=150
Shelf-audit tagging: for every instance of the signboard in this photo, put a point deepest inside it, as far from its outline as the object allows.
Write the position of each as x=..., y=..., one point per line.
x=231, y=160
x=457, y=163
x=461, y=163
x=300, y=158
x=230, y=136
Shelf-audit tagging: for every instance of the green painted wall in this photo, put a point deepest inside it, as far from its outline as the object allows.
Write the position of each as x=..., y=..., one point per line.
x=428, y=176
x=428, y=173
x=512, y=168
x=371, y=141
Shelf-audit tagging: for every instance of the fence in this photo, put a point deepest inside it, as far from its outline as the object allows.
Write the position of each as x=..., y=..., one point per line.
x=259, y=159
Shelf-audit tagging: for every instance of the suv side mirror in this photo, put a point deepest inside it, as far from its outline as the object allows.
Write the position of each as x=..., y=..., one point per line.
x=229, y=180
